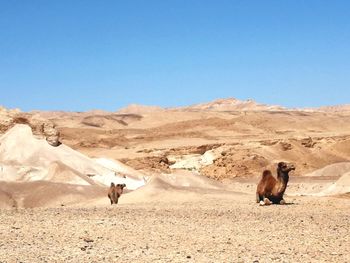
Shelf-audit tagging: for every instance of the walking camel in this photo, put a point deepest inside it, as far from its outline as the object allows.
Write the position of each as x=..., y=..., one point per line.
x=115, y=191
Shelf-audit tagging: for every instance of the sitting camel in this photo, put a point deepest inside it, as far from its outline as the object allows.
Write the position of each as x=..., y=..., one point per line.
x=270, y=190
x=115, y=191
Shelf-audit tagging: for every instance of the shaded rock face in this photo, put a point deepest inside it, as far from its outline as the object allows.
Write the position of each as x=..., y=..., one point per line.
x=150, y=163
x=285, y=146
x=308, y=142
x=231, y=165
x=51, y=134
x=6, y=119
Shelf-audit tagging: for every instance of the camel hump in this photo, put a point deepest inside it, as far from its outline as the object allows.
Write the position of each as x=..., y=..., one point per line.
x=266, y=173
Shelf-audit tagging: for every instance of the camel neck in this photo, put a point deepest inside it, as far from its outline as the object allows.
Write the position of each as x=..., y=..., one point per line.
x=283, y=179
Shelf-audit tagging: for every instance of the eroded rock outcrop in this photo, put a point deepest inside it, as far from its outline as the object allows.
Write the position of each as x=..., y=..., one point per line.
x=285, y=146
x=51, y=134
x=308, y=142
x=232, y=164
x=41, y=128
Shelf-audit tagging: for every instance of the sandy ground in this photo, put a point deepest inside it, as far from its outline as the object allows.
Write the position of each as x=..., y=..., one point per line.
x=223, y=228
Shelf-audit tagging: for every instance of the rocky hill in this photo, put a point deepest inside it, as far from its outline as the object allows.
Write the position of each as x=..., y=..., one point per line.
x=232, y=104
x=240, y=138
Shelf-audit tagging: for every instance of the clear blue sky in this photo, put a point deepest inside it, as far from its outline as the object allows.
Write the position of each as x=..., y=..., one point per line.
x=81, y=55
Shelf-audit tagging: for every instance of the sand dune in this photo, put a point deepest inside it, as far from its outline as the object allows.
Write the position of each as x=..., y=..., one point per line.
x=341, y=186
x=121, y=168
x=181, y=186
x=61, y=173
x=332, y=170
x=35, y=174
x=19, y=147
x=25, y=158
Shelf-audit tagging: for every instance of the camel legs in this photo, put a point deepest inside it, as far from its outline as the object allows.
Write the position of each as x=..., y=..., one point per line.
x=262, y=200
x=258, y=198
x=110, y=199
x=266, y=201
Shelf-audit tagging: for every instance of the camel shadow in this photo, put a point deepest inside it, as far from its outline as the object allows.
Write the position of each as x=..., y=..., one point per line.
x=285, y=204
x=289, y=203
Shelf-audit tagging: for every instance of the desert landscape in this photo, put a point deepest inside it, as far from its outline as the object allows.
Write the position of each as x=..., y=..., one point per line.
x=191, y=175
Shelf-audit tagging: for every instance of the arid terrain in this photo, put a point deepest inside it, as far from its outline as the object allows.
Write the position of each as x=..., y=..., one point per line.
x=244, y=136
x=191, y=176
x=222, y=229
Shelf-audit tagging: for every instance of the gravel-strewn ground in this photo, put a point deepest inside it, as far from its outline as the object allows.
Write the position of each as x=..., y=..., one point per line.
x=219, y=230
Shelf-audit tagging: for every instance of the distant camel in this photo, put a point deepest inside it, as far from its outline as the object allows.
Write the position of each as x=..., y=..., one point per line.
x=270, y=190
x=115, y=191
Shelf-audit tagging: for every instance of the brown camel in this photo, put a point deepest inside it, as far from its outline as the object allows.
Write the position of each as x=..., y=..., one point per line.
x=270, y=190
x=115, y=191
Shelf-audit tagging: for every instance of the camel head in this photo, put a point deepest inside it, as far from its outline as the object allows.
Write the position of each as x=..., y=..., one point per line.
x=121, y=185
x=284, y=168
